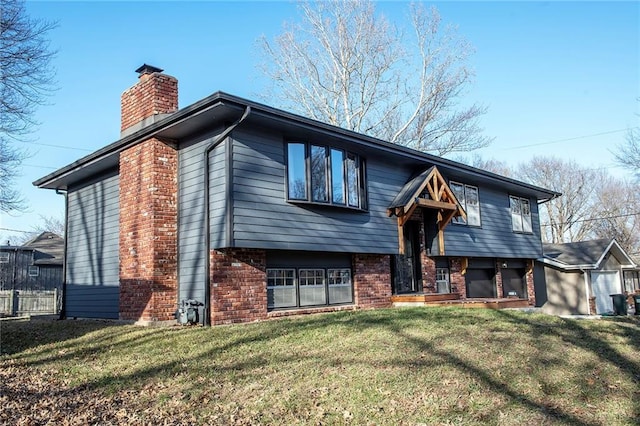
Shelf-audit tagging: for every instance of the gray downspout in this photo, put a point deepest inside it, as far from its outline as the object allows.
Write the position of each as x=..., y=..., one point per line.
x=63, y=308
x=207, y=225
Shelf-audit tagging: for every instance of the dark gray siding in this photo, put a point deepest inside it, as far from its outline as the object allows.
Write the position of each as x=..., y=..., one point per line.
x=262, y=218
x=494, y=238
x=92, y=249
x=191, y=228
x=14, y=274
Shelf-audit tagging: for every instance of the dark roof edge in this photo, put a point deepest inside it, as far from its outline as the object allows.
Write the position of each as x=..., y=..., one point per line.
x=220, y=98
x=134, y=138
x=359, y=137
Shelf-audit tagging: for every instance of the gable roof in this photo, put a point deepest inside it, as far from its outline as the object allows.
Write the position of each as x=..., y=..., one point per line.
x=584, y=254
x=50, y=247
x=221, y=107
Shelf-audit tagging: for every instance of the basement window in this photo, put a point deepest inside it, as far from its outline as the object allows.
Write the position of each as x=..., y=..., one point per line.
x=304, y=287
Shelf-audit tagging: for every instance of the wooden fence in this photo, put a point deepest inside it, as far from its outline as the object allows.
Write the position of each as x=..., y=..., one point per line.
x=23, y=302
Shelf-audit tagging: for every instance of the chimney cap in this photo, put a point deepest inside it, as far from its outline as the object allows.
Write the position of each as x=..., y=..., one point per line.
x=148, y=69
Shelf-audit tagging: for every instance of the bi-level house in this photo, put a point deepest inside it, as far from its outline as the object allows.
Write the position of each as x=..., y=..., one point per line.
x=255, y=212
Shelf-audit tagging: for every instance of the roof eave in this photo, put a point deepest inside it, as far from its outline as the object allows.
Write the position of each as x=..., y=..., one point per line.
x=220, y=98
x=566, y=266
x=132, y=139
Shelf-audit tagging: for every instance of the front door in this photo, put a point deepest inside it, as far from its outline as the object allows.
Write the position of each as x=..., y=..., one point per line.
x=406, y=277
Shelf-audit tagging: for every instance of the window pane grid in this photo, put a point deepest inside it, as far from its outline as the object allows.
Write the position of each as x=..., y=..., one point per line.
x=290, y=288
x=311, y=277
x=280, y=277
x=339, y=277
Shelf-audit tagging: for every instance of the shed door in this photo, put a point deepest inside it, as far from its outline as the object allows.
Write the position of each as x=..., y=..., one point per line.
x=604, y=284
x=480, y=283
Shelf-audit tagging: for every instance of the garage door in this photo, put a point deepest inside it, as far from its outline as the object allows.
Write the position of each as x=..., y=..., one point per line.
x=604, y=284
x=480, y=283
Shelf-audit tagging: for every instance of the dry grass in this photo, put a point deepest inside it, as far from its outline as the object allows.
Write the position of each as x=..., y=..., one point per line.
x=396, y=366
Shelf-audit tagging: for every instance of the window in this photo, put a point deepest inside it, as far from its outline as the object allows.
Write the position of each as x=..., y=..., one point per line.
x=34, y=271
x=4, y=257
x=319, y=174
x=313, y=287
x=469, y=199
x=631, y=281
x=337, y=176
x=326, y=175
x=339, y=286
x=520, y=214
x=281, y=288
x=442, y=280
x=297, y=172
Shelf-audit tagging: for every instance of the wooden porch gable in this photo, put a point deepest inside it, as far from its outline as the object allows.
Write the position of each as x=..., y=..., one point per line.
x=428, y=190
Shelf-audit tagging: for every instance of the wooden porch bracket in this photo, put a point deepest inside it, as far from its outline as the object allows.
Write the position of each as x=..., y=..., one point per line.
x=428, y=190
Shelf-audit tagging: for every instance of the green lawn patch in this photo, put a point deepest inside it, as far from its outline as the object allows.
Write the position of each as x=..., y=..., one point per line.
x=387, y=366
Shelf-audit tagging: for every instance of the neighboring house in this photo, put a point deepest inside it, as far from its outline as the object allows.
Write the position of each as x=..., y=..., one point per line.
x=256, y=212
x=35, y=267
x=580, y=277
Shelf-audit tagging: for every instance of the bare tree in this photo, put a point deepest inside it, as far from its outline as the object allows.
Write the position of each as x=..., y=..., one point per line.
x=571, y=216
x=491, y=165
x=26, y=78
x=346, y=65
x=49, y=224
x=628, y=153
x=618, y=214
x=10, y=160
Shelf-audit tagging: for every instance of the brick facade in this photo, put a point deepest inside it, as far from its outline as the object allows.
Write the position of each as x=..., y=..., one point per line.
x=148, y=207
x=154, y=94
x=499, y=287
x=458, y=283
x=148, y=229
x=371, y=280
x=427, y=264
x=531, y=290
x=238, y=285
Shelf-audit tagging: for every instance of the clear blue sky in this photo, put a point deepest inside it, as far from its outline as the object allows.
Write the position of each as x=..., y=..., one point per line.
x=547, y=71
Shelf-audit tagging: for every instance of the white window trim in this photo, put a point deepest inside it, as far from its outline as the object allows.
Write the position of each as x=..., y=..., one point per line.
x=446, y=274
x=4, y=257
x=34, y=271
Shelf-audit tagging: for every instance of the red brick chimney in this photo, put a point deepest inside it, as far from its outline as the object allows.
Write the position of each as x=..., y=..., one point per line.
x=148, y=204
x=154, y=96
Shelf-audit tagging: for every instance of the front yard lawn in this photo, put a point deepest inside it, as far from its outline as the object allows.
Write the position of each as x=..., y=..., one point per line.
x=388, y=366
